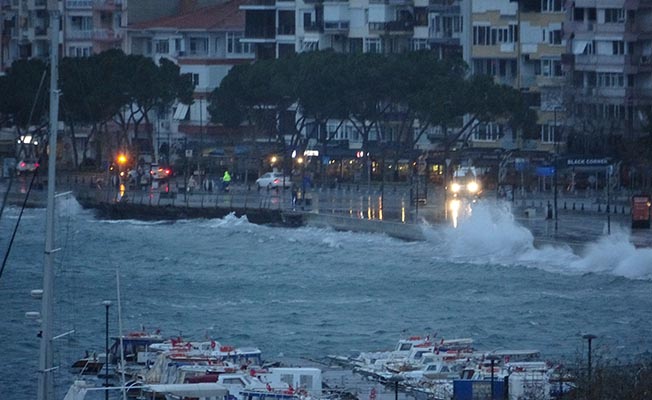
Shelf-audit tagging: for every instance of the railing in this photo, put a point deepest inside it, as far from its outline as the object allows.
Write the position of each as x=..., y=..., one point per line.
x=107, y=4
x=314, y=27
x=259, y=3
x=336, y=25
x=106, y=34
x=79, y=34
x=392, y=26
x=79, y=4
x=285, y=30
x=260, y=33
x=359, y=201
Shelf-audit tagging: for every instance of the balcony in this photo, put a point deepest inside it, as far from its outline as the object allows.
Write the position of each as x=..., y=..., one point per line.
x=396, y=27
x=259, y=32
x=285, y=30
x=444, y=9
x=592, y=61
x=314, y=27
x=107, y=35
x=336, y=26
x=79, y=4
x=549, y=81
x=40, y=31
x=78, y=34
x=107, y=5
x=259, y=5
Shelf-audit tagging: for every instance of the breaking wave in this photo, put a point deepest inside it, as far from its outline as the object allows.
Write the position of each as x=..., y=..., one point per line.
x=491, y=235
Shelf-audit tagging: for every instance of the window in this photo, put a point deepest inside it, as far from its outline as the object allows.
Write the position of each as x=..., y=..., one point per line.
x=372, y=45
x=618, y=47
x=486, y=132
x=305, y=381
x=234, y=44
x=195, y=79
x=551, y=5
x=554, y=36
x=287, y=379
x=162, y=46
x=481, y=35
x=419, y=44
x=548, y=133
x=610, y=80
x=614, y=15
x=549, y=67
x=198, y=46
x=75, y=51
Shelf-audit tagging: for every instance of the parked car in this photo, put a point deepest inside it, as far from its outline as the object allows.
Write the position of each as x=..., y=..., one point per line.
x=273, y=180
x=158, y=172
x=26, y=165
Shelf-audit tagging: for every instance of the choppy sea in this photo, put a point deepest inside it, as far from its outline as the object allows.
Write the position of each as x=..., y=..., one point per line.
x=312, y=292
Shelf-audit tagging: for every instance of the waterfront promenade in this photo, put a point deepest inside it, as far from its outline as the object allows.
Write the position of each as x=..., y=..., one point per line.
x=390, y=208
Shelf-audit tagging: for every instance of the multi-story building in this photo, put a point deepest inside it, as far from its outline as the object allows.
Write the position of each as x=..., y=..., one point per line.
x=205, y=43
x=88, y=26
x=93, y=26
x=520, y=44
x=609, y=65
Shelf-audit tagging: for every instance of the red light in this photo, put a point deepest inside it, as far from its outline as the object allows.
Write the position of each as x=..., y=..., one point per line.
x=276, y=180
x=167, y=172
x=36, y=165
x=22, y=164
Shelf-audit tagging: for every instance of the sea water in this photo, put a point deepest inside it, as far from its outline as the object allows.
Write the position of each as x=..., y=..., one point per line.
x=310, y=292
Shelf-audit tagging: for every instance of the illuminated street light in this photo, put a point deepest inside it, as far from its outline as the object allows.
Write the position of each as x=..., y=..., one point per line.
x=300, y=160
x=122, y=159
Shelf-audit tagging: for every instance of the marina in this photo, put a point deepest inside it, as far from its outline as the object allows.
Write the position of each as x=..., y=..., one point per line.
x=312, y=292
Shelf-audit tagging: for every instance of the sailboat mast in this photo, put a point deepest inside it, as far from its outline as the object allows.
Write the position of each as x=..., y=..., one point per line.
x=46, y=367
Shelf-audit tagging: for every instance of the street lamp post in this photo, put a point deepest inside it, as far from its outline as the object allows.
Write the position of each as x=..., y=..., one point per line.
x=107, y=304
x=556, y=165
x=492, y=358
x=589, y=337
x=395, y=379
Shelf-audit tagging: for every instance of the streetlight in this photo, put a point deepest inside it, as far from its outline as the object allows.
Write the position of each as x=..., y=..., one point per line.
x=589, y=337
x=554, y=132
x=107, y=304
x=492, y=358
x=395, y=379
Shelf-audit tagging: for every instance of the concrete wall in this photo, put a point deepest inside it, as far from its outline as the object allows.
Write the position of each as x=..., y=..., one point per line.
x=398, y=230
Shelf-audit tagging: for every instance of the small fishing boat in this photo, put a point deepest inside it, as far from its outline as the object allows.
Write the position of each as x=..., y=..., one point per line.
x=91, y=364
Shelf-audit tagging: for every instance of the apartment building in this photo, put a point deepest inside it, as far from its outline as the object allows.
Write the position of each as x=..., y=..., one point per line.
x=280, y=28
x=205, y=43
x=609, y=65
x=88, y=26
x=521, y=44
x=93, y=26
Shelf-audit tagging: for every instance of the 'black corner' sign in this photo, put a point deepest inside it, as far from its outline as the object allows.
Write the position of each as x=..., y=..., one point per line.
x=587, y=162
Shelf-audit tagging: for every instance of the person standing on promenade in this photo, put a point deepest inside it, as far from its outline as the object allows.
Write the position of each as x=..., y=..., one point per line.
x=226, y=180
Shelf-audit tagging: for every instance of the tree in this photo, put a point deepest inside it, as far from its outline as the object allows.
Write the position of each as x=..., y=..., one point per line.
x=24, y=100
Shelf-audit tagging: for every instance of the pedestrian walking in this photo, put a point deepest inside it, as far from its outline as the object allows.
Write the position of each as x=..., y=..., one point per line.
x=226, y=180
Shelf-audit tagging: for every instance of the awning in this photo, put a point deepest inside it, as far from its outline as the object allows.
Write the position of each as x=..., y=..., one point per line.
x=213, y=152
x=310, y=44
x=579, y=46
x=181, y=112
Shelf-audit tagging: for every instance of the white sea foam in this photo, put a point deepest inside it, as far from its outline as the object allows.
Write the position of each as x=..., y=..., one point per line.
x=67, y=205
x=491, y=235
